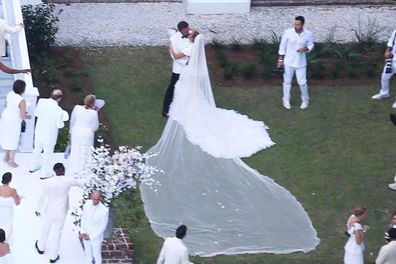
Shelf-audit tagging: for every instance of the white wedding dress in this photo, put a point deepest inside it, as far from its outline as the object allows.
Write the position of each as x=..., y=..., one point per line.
x=7, y=216
x=228, y=207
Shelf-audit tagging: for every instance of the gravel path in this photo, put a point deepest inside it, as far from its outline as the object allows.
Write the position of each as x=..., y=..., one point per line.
x=129, y=24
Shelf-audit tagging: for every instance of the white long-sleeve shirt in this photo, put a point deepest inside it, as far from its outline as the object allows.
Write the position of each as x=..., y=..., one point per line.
x=173, y=252
x=291, y=42
x=179, y=44
x=5, y=28
x=387, y=254
x=392, y=44
x=94, y=220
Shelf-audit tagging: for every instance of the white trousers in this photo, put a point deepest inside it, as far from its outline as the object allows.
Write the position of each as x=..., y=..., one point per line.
x=54, y=223
x=301, y=75
x=385, y=79
x=93, y=250
x=44, y=161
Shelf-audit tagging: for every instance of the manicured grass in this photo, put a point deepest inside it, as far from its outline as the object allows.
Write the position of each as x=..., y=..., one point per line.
x=334, y=156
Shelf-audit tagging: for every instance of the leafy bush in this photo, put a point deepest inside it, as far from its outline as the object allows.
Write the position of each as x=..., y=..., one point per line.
x=217, y=45
x=63, y=138
x=230, y=71
x=221, y=58
x=317, y=69
x=259, y=44
x=367, y=35
x=248, y=71
x=41, y=25
x=47, y=69
x=236, y=45
x=76, y=85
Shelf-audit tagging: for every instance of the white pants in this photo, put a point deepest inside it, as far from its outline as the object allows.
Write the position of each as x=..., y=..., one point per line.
x=42, y=162
x=301, y=75
x=385, y=79
x=54, y=223
x=93, y=250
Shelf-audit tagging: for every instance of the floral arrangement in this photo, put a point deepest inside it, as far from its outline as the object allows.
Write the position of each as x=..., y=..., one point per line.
x=113, y=173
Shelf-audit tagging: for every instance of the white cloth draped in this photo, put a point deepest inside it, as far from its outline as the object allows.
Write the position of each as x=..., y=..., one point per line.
x=228, y=207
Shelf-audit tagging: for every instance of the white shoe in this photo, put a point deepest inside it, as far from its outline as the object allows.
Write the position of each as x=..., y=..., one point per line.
x=380, y=96
x=286, y=105
x=394, y=105
x=304, y=105
x=392, y=186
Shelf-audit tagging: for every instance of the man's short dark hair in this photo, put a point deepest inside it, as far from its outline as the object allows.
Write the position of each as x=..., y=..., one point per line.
x=19, y=87
x=181, y=25
x=300, y=18
x=59, y=169
x=2, y=235
x=392, y=233
x=181, y=231
x=393, y=214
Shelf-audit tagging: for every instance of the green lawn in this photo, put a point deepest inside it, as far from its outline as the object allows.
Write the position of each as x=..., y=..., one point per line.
x=334, y=156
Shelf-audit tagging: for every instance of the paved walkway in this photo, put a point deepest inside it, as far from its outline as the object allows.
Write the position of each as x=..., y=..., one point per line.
x=138, y=24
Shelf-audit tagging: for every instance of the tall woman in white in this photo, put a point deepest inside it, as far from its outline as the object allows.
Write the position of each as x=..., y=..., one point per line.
x=355, y=246
x=11, y=120
x=83, y=124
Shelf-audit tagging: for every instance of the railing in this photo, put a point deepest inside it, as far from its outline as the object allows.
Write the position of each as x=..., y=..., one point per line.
x=20, y=60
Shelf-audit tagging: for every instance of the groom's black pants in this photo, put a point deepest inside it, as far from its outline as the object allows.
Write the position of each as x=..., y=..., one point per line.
x=169, y=94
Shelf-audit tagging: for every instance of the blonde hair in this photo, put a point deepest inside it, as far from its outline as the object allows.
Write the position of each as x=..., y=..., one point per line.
x=89, y=100
x=359, y=211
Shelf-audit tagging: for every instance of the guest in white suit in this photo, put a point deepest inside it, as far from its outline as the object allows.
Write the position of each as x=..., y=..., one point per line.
x=387, y=254
x=50, y=118
x=5, y=28
x=83, y=124
x=93, y=224
x=54, y=204
x=173, y=250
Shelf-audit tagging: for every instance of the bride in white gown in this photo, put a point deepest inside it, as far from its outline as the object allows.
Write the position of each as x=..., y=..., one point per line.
x=228, y=207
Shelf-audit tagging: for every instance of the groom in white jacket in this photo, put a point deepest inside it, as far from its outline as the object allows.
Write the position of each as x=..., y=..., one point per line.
x=50, y=118
x=93, y=224
x=174, y=251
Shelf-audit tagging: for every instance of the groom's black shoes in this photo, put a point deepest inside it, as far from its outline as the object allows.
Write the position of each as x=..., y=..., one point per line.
x=38, y=250
x=54, y=260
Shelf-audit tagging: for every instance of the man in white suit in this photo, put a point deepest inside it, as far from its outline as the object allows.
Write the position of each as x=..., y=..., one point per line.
x=54, y=204
x=50, y=118
x=93, y=224
x=174, y=251
x=387, y=254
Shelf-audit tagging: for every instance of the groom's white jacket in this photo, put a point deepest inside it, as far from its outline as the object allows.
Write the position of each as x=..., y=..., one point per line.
x=173, y=252
x=179, y=44
x=94, y=221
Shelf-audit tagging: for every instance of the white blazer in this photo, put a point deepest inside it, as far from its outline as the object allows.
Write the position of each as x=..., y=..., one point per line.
x=94, y=220
x=54, y=199
x=387, y=254
x=5, y=28
x=50, y=118
x=173, y=252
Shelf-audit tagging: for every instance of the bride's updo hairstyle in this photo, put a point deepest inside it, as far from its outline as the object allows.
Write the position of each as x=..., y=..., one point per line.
x=89, y=100
x=2, y=236
x=6, y=178
x=360, y=211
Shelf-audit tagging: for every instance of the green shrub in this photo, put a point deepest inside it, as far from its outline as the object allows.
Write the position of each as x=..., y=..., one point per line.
x=47, y=69
x=221, y=58
x=236, y=45
x=248, y=71
x=63, y=138
x=218, y=45
x=335, y=73
x=41, y=25
x=317, y=69
x=230, y=70
x=259, y=44
x=367, y=35
x=76, y=85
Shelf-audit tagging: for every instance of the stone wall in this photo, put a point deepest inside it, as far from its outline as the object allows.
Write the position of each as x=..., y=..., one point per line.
x=118, y=249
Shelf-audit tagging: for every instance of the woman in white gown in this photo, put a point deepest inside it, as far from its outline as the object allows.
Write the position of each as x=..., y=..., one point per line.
x=11, y=119
x=228, y=207
x=354, y=247
x=83, y=124
x=8, y=198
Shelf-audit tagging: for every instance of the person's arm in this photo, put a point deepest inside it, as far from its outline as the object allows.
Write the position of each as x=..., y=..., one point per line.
x=389, y=45
x=22, y=110
x=161, y=257
x=175, y=54
x=43, y=198
x=14, y=29
x=282, y=50
x=310, y=44
x=184, y=257
x=381, y=257
x=11, y=70
x=16, y=197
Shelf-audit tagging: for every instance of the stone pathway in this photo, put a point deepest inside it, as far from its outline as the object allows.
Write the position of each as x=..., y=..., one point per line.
x=140, y=24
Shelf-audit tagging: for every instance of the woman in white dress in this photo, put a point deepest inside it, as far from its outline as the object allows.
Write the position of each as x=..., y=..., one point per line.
x=11, y=120
x=354, y=247
x=8, y=198
x=229, y=207
x=4, y=248
x=83, y=124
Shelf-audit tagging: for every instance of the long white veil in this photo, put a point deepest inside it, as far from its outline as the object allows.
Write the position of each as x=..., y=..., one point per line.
x=228, y=207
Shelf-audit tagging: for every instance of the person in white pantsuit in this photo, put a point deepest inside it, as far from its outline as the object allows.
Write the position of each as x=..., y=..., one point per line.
x=54, y=204
x=295, y=43
x=387, y=254
x=93, y=224
x=50, y=118
x=389, y=69
x=173, y=250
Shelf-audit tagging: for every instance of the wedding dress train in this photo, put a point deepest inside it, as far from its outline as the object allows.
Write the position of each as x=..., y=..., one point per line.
x=228, y=207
